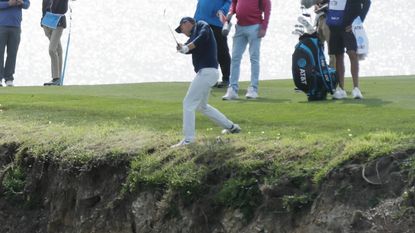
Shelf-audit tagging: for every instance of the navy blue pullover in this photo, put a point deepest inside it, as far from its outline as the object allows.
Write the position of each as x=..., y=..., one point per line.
x=353, y=9
x=204, y=54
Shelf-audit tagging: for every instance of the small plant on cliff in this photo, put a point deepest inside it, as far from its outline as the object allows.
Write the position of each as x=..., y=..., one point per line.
x=409, y=165
x=296, y=202
x=14, y=183
x=242, y=194
x=409, y=198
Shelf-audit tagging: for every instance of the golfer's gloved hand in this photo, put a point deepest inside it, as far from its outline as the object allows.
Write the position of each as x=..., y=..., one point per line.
x=183, y=49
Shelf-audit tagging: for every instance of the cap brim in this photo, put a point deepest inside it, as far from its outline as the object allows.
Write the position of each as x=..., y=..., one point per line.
x=178, y=30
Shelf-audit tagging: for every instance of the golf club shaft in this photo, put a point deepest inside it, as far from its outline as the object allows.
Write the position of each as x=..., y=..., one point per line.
x=168, y=25
x=171, y=31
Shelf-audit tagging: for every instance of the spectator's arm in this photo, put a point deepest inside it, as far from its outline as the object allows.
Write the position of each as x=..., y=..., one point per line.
x=66, y=6
x=267, y=13
x=26, y=4
x=225, y=7
x=365, y=9
x=232, y=9
x=4, y=5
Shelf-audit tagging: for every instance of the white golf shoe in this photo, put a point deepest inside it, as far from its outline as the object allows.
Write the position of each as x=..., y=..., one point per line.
x=230, y=94
x=339, y=94
x=182, y=143
x=251, y=93
x=356, y=93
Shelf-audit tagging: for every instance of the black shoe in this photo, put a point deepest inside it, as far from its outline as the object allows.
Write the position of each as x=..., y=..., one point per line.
x=221, y=84
x=54, y=82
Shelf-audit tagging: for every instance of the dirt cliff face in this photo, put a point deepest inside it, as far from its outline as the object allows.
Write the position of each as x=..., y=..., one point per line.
x=90, y=198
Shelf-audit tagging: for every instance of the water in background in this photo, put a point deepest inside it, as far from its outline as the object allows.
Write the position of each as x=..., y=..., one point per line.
x=129, y=42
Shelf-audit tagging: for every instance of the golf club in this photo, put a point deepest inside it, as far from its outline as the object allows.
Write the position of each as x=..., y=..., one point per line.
x=168, y=25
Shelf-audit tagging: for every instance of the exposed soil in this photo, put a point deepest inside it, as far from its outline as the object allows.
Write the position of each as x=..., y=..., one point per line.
x=68, y=198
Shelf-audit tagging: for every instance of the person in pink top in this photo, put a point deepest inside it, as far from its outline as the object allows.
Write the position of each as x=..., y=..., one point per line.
x=252, y=23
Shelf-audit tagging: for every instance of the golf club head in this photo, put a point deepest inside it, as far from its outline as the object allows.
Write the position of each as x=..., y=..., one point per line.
x=309, y=28
x=298, y=32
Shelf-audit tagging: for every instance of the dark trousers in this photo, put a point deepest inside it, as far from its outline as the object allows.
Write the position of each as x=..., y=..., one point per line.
x=10, y=39
x=224, y=58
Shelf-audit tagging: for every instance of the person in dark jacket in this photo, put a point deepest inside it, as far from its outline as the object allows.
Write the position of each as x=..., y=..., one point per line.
x=340, y=17
x=54, y=36
x=10, y=23
x=202, y=46
x=211, y=11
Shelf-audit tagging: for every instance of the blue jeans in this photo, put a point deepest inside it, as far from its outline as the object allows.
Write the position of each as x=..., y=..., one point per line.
x=9, y=42
x=245, y=35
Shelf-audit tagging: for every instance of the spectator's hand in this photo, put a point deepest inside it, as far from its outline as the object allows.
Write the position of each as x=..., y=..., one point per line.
x=12, y=2
x=221, y=16
x=349, y=28
x=19, y=2
x=182, y=48
x=261, y=33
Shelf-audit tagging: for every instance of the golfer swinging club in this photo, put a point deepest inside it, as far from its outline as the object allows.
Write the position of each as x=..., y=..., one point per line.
x=202, y=46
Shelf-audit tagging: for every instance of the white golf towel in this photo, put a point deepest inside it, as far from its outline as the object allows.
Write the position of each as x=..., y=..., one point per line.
x=361, y=38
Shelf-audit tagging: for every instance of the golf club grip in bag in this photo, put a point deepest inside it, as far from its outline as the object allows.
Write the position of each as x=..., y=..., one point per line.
x=310, y=71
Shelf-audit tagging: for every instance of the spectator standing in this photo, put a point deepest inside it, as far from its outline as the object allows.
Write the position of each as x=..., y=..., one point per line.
x=54, y=35
x=340, y=17
x=252, y=23
x=10, y=30
x=211, y=11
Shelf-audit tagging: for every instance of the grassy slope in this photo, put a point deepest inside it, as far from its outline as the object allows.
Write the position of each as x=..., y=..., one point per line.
x=283, y=134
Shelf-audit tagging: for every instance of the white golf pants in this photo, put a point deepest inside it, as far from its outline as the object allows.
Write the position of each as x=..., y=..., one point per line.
x=197, y=99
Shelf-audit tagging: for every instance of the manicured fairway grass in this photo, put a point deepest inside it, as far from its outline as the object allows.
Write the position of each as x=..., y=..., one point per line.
x=389, y=105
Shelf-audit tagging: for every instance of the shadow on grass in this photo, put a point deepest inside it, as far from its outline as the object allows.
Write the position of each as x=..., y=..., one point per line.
x=258, y=100
x=242, y=99
x=368, y=102
x=266, y=100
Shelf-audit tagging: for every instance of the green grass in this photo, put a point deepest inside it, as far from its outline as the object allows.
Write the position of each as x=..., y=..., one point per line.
x=283, y=134
x=388, y=105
